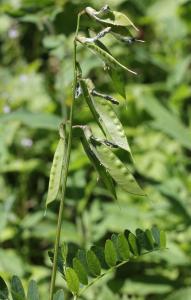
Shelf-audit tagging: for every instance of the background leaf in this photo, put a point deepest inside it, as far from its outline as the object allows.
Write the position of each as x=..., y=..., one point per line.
x=17, y=290
x=33, y=293
x=180, y=294
x=59, y=295
x=4, y=293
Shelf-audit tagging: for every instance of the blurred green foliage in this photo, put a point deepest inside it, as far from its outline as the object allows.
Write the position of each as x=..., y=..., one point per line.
x=35, y=94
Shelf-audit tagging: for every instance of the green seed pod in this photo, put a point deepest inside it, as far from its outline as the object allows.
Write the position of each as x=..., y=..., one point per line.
x=105, y=56
x=105, y=116
x=56, y=172
x=111, y=18
x=118, y=171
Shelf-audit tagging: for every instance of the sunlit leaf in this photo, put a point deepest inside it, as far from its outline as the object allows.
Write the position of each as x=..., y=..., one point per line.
x=72, y=280
x=162, y=239
x=110, y=253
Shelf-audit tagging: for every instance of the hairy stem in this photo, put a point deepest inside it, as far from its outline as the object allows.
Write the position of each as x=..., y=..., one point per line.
x=65, y=172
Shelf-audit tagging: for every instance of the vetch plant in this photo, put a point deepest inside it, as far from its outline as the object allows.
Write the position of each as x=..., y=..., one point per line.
x=82, y=269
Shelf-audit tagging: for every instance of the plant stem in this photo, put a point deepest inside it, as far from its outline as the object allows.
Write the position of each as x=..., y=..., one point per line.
x=65, y=171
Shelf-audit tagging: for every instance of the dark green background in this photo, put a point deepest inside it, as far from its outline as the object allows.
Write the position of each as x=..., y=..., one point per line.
x=35, y=94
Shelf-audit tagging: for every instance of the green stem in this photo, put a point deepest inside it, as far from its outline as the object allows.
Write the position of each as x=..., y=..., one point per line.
x=100, y=276
x=65, y=174
x=110, y=270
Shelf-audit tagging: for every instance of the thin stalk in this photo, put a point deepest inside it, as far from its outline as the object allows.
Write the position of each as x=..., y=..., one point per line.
x=65, y=171
x=100, y=276
x=110, y=270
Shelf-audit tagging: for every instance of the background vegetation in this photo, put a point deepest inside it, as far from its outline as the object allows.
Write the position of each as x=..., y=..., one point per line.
x=35, y=94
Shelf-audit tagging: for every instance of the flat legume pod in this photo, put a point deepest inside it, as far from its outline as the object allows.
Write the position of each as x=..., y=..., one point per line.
x=56, y=172
x=118, y=171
